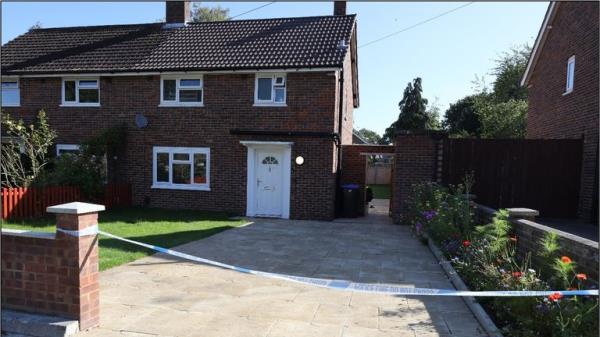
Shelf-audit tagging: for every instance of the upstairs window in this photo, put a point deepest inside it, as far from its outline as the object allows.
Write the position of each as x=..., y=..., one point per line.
x=181, y=91
x=181, y=168
x=270, y=90
x=570, y=74
x=10, y=92
x=81, y=92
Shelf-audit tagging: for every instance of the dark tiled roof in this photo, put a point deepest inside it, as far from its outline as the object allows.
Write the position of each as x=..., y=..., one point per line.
x=237, y=44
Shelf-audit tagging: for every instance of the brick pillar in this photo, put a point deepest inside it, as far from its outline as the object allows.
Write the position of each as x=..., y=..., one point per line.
x=416, y=160
x=75, y=234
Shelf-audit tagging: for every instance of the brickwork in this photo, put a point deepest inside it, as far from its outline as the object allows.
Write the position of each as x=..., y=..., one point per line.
x=529, y=235
x=354, y=165
x=228, y=104
x=56, y=275
x=415, y=161
x=553, y=114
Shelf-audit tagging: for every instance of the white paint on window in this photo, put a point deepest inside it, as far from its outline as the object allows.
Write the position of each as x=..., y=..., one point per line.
x=181, y=91
x=270, y=90
x=11, y=95
x=570, y=74
x=183, y=168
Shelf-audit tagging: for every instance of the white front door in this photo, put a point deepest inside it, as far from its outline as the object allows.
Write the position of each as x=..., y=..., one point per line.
x=269, y=182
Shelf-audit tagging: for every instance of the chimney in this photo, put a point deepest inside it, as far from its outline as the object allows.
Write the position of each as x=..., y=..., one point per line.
x=178, y=12
x=339, y=7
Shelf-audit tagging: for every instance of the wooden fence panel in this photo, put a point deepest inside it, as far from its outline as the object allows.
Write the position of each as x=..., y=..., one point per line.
x=542, y=174
x=32, y=202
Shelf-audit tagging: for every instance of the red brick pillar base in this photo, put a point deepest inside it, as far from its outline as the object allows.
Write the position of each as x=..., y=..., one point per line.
x=76, y=233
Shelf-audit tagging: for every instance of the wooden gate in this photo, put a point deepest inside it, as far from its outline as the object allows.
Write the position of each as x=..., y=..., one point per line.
x=543, y=174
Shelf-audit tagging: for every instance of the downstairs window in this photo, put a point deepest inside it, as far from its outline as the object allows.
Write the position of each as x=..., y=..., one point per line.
x=185, y=168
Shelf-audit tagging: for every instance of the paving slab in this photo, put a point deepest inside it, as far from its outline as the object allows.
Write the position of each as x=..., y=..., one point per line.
x=163, y=296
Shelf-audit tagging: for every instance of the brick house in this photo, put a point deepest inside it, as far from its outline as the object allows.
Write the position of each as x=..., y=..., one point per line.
x=243, y=116
x=562, y=77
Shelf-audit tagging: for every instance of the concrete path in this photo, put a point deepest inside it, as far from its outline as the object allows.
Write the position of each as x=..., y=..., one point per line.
x=160, y=296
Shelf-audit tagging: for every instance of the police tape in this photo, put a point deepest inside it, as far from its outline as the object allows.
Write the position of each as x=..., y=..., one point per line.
x=344, y=285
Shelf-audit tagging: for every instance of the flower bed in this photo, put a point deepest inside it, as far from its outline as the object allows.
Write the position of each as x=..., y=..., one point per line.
x=485, y=258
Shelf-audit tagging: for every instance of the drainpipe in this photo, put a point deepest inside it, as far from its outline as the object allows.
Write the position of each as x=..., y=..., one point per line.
x=339, y=143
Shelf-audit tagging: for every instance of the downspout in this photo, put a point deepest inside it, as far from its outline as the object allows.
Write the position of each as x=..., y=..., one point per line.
x=339, y=143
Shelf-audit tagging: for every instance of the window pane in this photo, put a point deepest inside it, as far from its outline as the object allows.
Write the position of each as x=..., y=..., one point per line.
x=69, y=91
x=10, y=96
x=264, y=89
x=199, y=168
x=279, y=81
x=189, y=83
x=9, y=84
x=280, y=95
x=88, y=96
x=169, y=90
x=181, y=173
x=162, y=167
x=67, y=151
x=181, y=156
x=190, y=96
x=88, y=84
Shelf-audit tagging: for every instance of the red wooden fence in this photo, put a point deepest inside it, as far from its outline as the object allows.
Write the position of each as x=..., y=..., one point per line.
x=29, y=202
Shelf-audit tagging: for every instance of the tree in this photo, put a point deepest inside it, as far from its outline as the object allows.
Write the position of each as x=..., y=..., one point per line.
x=206, y=14
x=26, y=155
x=509, y=69
x=413, y=112
x=502, y=120
x=369, y=135
x=462, y=119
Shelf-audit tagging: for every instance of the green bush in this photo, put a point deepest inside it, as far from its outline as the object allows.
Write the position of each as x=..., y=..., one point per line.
x=486, y=259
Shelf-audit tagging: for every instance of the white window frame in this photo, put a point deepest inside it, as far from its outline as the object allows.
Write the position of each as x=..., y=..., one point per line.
x=68, y=147
x=11, y=79
x=177, y=80
x=271, y=102
x=172, y=150
x=570, y=75
x=76, y=102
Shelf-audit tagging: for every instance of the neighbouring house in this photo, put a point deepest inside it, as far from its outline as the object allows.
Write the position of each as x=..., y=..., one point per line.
x=358, y=139
x=562, y=77
x=242, y=116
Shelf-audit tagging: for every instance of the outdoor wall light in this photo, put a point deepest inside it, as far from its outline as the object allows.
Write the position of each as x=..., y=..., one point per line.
x=299, y=160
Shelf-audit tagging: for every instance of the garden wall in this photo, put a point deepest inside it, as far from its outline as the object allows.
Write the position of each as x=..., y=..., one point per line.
x=55, y=274
x=529, y=235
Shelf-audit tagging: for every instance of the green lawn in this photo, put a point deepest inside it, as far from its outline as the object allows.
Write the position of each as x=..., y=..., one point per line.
x=166, y=228
x=381, y=191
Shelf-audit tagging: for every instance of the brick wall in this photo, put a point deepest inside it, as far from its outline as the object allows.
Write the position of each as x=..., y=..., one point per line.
x=228, y=104
x=354, y=165
x=416, y=160
x=53, y=274
x=529, y=235
x=554, y=115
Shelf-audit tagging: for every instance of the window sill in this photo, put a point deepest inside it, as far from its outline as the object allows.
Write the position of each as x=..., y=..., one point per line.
x=11, y=105
x=275, y=105
x=567, y=92
x=180, y=105
x=80, y=105
x=180, y=187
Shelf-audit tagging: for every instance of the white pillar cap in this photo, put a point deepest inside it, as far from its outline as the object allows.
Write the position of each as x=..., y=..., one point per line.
x=75, y=208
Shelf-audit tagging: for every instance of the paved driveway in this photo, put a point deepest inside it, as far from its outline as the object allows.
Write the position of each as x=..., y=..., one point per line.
x=161, y=296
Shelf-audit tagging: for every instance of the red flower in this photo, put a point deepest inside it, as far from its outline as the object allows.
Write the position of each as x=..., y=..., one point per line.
x=566, y=259
x=466, y=243
x=555, y=297
x=581, y=277
x=517, y=274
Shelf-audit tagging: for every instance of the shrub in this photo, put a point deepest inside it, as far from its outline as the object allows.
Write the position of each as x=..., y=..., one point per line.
x=486, y=259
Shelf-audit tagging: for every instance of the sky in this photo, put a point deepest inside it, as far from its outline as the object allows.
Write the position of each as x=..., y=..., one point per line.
x=447, y=52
